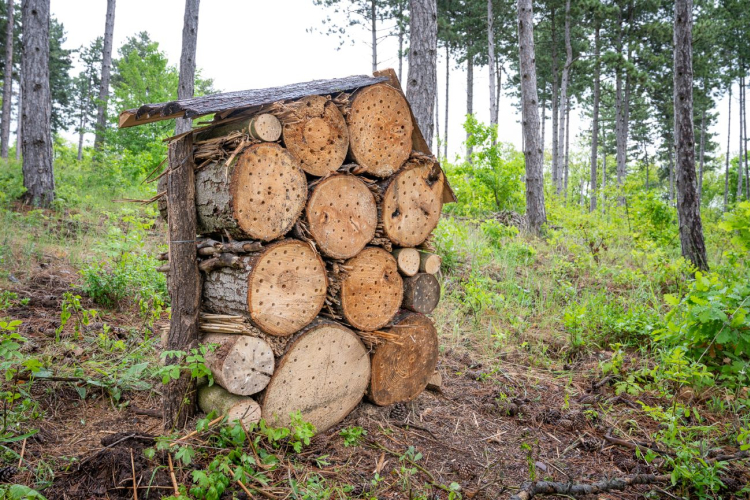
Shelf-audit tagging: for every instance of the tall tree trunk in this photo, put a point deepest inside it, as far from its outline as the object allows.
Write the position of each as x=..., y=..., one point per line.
x=744, y=133
x=19, y=120
x=374, y=30
x=562, y=179
x=401, y=31
x=447, y=81
x=422, y=79
x=184, y=279
x=688, y=206
x=619, y=105
x=437, y=126
x=604, y=167
x=646, y=162
x=544, y=124
x=555, y=108
x=700, y=159
x=81, y=128
x=530, y=115
x=7, y=84
x=567, y=147
x=671, y=174
x=740, y=171
x=595, y=117
x=469, y=100
x=38, y=177
x=726, y=160
x=491, y=62
x=101, y=113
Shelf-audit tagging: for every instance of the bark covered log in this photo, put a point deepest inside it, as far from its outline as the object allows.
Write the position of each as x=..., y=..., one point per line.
x=323, y=375
x=429, y=263
x=263, y=127
x=380, y=128
x=407, y=260
x=280, y=289
x=259, y=195
x=401, y=370
x=217, y=399
x=241, y=364
x=421, y=293
x=341, y=216
x=315, y=133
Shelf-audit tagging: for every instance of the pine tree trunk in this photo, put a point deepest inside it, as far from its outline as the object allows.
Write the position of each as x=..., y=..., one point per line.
x=469, y=101
x=101, y=113
x=619, y=106
x=562, y=180
x=595, y=118
x=422, y=79
x=530, y=115
x=437, y=125
x=7, y=84
x=567, y=147
x=447, y=95
x=38, y=178
x=740, y=170
x=744, y=133
x=671, y=175
x=400, y=39
x=544, y=125
x=702, y=149
x=555, y=108
x=688, y=206
x=19, y=120
x=726, y=159
x=491, y=61
x=81, y=131
x=374, y=33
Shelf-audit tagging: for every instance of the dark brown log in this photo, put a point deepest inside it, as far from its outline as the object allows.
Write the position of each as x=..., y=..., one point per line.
x=421, y=293
x=407, y=260
x=315, y=133
x=217, y=399
x=280, y=289
x=341, y=216
x=241, y=364
x=400, y=371
x=223, y=260
x=259, y=195
x=411, y=202
x=380, y=128
x=323, y=375
x=429, y=263
x=372, y=289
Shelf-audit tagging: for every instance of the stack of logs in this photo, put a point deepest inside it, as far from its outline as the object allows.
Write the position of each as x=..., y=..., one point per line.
x=315, y=218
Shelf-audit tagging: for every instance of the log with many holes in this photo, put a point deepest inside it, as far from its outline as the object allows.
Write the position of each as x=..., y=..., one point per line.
x=259, y=195
x=411, y=202
x=407, y=260
x=421, y=293
x=315, y=133
x=371, y=290
x=323, y=374
x=280, y=289
x=380, y=128
x=341, y=215
x=400, y=371
x=217, y=399
x=241, y=364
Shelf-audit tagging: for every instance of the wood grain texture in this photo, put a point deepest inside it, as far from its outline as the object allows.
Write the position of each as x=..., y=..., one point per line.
x=429, y=263
x=241, y=364
x=219, y=400
x=407, y=260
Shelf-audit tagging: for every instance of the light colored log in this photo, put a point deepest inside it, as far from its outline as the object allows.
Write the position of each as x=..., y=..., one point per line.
x=219, y=400
x=407, y=260
x=429, y=263
x=264, y=127
x=421, y=293
x=241, y=364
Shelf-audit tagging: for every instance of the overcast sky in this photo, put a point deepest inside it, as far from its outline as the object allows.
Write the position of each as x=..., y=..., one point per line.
x=245, y=44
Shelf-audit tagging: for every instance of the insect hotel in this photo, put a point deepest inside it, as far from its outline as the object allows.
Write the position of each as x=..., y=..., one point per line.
x=299, y=243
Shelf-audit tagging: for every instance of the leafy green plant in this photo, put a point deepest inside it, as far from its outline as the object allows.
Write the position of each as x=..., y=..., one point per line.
x=352, y=435
x=72, y=308
x=180, y=361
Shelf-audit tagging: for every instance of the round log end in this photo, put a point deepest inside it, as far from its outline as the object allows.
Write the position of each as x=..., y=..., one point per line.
x=421, y=293
x=412, y=203
x=265, y=127
x=323, y=375
x=286, y=287
x=219, y=400
x=243, y=365
x=269, y=191
x=342, y=216
x=407, y=260
x=380, y=128
x=372, y=291
x=316, y=135
x=430, y=263
x=401, y=372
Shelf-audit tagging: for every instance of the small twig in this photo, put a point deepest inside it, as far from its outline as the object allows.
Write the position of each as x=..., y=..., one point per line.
x=135, y=483
x=171, y=474
x=191, y=434
x=23, y=450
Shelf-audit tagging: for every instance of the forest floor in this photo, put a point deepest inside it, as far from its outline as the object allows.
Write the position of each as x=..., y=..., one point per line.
x=524, y=405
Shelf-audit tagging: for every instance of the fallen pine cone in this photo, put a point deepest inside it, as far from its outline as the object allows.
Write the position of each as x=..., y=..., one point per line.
x=7, y=473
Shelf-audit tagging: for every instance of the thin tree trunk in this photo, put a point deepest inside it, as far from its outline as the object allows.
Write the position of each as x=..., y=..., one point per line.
x=567, y=146
x=400, y=39
x=7, y=84
x=671, y=175
x=702, y=149
x=38, y=177
x=101, y=113
x=744, y=134
x=604, y=166
x=740, y=171
x=688, y=206
x=184, y=279
x=491, y=62
x=80, y=136
x=595, y=118
x=646, y=160
x=19, y=120
x=437, y=125
x=726, y=160
x=469, y=101
x=530, y=115
x=555, y=108
x=374, y=30
x=447, y=94
x=562, y=180
x=619, y=107
x=422, y=79
x=544, y=125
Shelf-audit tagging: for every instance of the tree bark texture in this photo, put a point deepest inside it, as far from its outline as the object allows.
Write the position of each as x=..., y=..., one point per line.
x=421, y=293
x=7, y=84
x=726, y=159
x=566, y=162
x=438, y=144
x=743, y=89
x=184, y=279
x=595, y=117
x=447, y=95
x=19, y=125
x=469, y=101
x=374, y=33
x=562, y=174
x=186, y=87
x=532, y=141
x=555, y=106
x=740, y=173
x=701, y=154
x=101, y=112
x=422, y=80
x=688, y=205
x=38, y=177
x=619, y=105
x=491, y=61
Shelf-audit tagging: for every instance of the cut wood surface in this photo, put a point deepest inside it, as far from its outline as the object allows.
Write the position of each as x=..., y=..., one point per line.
x=407, y=260
x=316, y=134
x=421, y=293
x=219, y=400
x=323, y=375
x=412, y=202
x=241, y=364
x=372, y=290
x=280, y=289
x=400, y=372
x=380, y=127
x=429, y=263
x=263, y=127
x=259, y=195
x=341, y=215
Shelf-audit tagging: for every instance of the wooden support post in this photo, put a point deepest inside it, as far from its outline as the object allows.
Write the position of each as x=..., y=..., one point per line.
x=184, y=278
